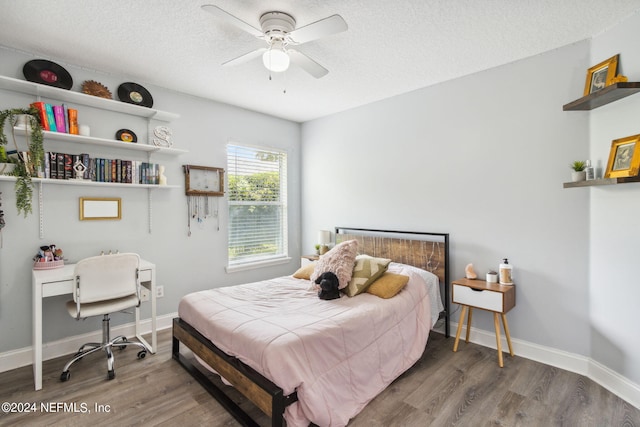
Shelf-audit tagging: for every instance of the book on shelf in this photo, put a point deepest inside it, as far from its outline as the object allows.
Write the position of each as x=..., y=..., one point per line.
x=68, y=166
x=60, y=165
x=58, y=114
x=92, y=169
x=85, y=162
x=74, y=159
x=72, y=115
x=42, y=114
x=53, y=165
x=128, y=179
x=118, y=170
x=47, y=166
x=51, y=118
x=65, y=117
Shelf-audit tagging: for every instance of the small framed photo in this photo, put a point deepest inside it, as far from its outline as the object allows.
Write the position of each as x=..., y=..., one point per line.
x=92, y=208
x=601, y=75
x=624, y=157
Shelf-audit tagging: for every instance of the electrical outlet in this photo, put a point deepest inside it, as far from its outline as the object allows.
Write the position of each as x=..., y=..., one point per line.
x=159, y=291
x=144, y=294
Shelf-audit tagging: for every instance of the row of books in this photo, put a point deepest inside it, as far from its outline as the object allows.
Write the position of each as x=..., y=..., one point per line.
x=57, y=118
x=63, y=166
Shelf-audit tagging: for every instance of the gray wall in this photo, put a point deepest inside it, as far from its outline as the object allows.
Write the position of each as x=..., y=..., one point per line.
x=614, y=230
x=484, y=157
x=184, y=264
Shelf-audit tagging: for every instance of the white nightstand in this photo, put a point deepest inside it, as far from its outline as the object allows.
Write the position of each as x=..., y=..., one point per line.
x=493, y=297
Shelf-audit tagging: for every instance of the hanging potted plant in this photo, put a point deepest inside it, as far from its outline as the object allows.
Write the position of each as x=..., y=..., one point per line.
x=27, y=164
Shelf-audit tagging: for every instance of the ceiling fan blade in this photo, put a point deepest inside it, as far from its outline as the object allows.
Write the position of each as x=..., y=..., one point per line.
x=245, y=58
x=216, y=11
x=307, y=64
x=325, y=27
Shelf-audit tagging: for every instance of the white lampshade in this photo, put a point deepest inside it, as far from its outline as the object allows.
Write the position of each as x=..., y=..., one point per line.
x=276, y=59
x=324, y=237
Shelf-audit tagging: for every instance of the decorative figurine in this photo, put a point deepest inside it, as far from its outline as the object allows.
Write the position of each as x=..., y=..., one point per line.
x=79, y=168
x=469, y=273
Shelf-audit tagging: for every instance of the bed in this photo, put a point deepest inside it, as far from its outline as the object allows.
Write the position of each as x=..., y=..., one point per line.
x=297, y=357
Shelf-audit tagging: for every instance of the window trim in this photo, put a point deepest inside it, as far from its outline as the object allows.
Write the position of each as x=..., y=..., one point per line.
x=266, y=260
x=252, y=265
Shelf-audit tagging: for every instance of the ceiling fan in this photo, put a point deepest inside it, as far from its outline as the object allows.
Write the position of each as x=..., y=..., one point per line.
x=279, y=30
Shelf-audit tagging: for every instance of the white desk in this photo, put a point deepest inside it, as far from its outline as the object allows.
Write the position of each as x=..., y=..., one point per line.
x=59, y=281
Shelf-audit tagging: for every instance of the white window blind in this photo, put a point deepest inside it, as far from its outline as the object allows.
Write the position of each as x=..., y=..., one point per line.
x=257, y=204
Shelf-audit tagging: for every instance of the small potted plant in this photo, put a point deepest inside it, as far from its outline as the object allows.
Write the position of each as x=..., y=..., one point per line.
x=27, y=164
x=578, y=173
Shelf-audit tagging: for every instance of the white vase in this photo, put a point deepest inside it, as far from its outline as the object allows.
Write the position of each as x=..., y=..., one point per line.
x=6, y=168
x=23, y=121
x=578, y=176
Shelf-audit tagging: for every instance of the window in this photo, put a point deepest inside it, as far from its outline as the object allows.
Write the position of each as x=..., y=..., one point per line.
x=257, y=204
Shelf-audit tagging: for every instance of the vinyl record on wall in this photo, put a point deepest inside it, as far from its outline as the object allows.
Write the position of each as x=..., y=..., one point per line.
x=47, y=73
x=133, y=93
x=126, y=135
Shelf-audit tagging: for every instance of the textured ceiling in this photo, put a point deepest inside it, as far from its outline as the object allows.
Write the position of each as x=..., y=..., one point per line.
x=391, y=47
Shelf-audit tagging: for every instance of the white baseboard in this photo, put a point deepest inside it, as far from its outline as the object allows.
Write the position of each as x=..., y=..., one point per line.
x=607, y=378
x=597, y=372
x=24, y=356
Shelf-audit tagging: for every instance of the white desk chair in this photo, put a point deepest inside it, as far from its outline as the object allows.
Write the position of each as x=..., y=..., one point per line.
x=104, y=284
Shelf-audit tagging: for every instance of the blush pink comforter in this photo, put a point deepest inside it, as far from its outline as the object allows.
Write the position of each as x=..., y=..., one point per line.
x=337, y=354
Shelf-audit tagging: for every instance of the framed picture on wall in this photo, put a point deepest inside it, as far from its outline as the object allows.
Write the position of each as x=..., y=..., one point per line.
x=601, y=75
x=624, y=157
x=203, y=181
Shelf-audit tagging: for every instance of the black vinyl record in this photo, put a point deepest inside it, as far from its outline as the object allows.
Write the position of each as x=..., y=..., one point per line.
x=126, y=135
x=133, y=93
x=47, y=73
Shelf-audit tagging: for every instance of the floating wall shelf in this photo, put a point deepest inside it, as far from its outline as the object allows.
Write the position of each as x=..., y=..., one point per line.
x=602, y=97
x=79, y=98
x=602, y=181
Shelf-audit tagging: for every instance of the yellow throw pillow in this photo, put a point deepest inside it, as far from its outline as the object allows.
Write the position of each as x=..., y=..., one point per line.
x=366, y=270
x=388, y=285
x=305, y=272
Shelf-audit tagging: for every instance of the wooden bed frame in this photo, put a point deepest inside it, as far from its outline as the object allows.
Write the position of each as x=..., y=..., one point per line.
x=429, y=251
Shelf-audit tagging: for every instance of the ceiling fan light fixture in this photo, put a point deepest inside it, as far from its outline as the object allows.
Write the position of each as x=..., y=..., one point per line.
x=276, y=60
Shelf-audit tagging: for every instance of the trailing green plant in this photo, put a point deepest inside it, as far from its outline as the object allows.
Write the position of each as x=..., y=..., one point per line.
x=578, y=165
x=27, y=164
x=24, y=188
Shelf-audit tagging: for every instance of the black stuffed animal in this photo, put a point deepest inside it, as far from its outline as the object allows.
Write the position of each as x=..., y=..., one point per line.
x=328, y=286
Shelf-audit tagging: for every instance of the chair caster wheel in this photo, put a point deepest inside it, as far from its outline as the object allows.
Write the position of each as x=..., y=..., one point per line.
x=122, y=347
x=65, y=376
x=142, y=354
x=111, y=374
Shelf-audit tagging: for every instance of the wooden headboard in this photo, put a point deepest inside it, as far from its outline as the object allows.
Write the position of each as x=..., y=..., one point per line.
x=429, y=251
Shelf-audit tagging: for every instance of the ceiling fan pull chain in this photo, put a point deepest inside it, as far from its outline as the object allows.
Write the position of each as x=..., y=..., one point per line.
x=284, y=89
x=269, y=67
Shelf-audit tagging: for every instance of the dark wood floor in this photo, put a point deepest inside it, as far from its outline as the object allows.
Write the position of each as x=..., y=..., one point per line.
x=466, y=388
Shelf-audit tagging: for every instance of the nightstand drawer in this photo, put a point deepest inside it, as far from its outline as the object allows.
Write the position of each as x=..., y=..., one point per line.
x=485, y=299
